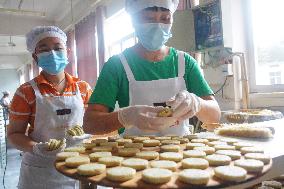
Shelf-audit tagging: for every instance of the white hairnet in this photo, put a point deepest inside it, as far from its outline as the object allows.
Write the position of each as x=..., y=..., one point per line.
x=40, y=32
x=6, y=92
x=134, y=6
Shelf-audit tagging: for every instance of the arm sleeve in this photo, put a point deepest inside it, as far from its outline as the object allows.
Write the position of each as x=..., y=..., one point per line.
x=107, y=86
x=86, y=91
x=195, y=81
x=20, y=108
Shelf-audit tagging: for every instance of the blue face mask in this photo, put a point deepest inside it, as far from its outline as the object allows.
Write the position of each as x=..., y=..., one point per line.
x=53, y=62
x=153, y=36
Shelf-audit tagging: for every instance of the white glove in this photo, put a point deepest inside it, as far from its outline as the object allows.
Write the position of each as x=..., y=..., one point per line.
x=75, y=140
x=144, y=118
x=41, y=149
x=185, y=105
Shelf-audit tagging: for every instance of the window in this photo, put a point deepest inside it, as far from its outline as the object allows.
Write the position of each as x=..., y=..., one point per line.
x=275, y=78
x=119, y=33
x=268, y=43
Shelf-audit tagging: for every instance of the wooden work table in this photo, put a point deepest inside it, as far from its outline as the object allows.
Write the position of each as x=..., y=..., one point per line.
x=274, y=147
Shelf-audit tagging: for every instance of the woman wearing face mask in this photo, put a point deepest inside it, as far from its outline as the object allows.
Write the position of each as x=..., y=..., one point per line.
x=51, y=103
x=150, y=73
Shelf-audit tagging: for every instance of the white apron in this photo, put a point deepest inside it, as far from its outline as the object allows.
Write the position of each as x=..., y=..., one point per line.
x=156, y=91
x=52, y=119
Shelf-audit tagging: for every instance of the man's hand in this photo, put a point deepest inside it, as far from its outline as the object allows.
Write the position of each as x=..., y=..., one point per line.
x=185, y=105
x=144, y=118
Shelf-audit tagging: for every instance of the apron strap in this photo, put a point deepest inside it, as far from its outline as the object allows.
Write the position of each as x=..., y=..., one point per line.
x=181, y=64
x=35, y=88
x=127, y=69
x=129, y=73
x=78, y=90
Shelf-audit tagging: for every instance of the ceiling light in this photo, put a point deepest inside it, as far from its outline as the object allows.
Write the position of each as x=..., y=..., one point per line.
x=22, y=12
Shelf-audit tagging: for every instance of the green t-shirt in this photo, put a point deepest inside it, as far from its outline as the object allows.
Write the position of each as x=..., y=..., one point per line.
x=113, y=85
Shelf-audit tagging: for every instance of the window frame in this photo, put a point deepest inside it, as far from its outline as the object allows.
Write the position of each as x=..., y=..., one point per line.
x=252, y=58
x=275, y=76
x=120, y=41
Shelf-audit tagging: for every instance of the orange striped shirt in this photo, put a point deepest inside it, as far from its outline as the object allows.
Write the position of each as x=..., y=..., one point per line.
x=23, y=106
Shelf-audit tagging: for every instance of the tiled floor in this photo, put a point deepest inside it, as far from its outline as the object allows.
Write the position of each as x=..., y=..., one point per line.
x=12, y=170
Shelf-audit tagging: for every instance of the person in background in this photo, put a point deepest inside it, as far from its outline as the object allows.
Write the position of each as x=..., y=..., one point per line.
x=148, y=74
x=51, y=103
x=5, y=103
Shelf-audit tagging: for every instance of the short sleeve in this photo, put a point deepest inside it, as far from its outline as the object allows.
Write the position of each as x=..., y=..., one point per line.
x=195, y=81
x=86, y=91
x=20, y=108
x=107, y=87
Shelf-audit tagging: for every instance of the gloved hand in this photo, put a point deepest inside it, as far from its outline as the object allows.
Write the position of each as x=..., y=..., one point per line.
x=41, y=149
x=75, y=140
x=185, y=105
x=144, y=118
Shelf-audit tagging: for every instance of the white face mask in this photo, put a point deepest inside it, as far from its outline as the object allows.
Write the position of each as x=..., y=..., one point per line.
x=153, y=36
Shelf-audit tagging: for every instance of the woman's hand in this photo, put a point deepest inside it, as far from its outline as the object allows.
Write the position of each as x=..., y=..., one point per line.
x=41, y=149
x=74, y=140
x=17, y=136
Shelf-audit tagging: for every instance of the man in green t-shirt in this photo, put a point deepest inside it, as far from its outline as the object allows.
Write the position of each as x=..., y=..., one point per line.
x=150, y=74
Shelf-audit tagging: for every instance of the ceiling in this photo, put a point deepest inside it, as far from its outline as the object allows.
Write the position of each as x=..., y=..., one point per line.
x=19, y=49
x=10, y=11
x=54, y=10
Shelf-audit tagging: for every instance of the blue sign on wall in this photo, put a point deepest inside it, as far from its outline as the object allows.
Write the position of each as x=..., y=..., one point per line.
x=208, y=26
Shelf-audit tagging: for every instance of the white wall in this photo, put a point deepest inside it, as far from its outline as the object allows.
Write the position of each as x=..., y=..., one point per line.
x=9, y=80
x=183, y=31
x=184, y=39
x=233, y=28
